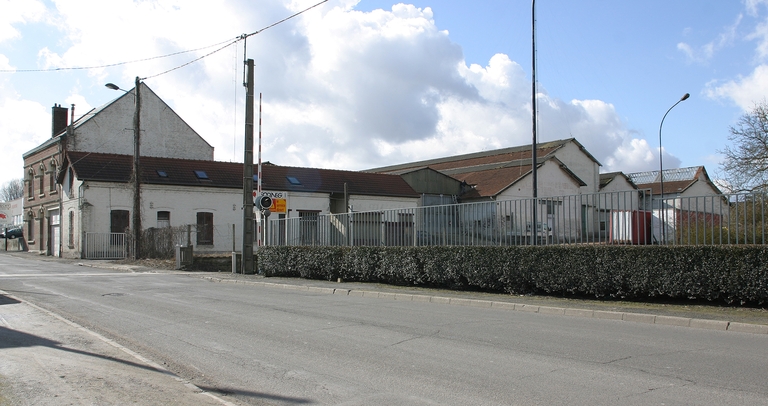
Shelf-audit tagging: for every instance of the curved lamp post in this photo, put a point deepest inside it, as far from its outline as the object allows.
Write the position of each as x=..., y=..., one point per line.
x=661, y=173
x=136, y=219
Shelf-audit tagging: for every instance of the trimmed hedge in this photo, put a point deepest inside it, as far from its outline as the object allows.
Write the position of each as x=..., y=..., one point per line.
x=728, y=274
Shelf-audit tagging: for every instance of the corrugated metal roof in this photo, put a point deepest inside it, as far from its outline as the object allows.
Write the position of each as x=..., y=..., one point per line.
x=670, y=175
x=181, y=172
x=676, y=180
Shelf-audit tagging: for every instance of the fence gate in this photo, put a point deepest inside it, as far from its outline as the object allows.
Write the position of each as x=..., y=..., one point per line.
x=105, y=246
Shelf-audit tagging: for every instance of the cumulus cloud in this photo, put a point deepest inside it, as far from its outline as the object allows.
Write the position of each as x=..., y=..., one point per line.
x=18, y=12
x=744, y=91
x=341, y=88
x=29, y=124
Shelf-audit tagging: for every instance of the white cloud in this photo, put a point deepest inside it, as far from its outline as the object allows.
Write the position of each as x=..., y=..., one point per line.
x=28, y=122
x=752, y=6
x=707, y=51
x=18, y=12
x=342, y=88
x=744, y=91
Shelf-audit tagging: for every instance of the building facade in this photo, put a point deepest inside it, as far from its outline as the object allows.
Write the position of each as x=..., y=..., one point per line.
x=107, y=129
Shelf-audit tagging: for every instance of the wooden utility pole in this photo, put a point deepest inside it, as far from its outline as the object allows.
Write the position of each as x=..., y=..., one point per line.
x=247, y=262
x=136, y=224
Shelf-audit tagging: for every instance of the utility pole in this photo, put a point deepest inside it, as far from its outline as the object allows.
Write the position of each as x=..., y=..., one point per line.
x=247, y=262
x=136, y=226
x=136, y=173
x=535, y=225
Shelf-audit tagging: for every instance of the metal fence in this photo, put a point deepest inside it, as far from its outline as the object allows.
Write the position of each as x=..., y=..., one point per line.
x=714, y=220
x=105, y=246
x=627, y=218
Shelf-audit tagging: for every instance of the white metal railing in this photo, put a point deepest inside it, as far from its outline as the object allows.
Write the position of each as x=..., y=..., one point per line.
x=105, y=246
x=627, y=218
x=619, y=218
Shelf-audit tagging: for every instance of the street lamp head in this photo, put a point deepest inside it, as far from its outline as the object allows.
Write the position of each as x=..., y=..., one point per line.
x=112, y=86
x=685, y=96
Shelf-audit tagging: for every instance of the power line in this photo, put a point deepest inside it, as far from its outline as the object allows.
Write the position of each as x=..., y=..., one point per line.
x=228, y=43
x=244, y=36
x=112, y=64
x=192, y=61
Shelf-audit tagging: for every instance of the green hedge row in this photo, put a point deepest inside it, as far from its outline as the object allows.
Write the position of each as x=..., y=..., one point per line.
x=729, y=274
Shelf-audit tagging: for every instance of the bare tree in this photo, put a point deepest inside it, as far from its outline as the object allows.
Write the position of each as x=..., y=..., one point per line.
x=746, y=162
x=12, y=190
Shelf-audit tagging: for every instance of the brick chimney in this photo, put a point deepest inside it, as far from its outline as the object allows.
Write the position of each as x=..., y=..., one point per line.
x=59, y=119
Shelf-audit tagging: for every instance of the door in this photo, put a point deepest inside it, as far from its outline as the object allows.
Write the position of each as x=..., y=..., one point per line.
x=55, y=233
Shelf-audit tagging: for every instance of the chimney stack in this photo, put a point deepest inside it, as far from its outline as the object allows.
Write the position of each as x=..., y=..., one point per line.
x=59, y=119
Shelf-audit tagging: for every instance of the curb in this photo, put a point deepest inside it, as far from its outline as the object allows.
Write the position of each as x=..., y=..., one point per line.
x=675, y=321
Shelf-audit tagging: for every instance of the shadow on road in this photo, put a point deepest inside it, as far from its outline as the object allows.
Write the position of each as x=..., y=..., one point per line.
x=4, y=300
x=10, y=338
x=252, y=394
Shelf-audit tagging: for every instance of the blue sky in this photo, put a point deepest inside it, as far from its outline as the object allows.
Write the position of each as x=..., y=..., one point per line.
x=355, y=85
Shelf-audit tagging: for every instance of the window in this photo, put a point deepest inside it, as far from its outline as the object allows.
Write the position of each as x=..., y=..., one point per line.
x=162, y=174
x=71, y=241
x=52, y=178
x=510, y=221
x=41, y=179
x=204, y=228
x=71, y=182
x=31, y=231
x=201, y=175
x=119, y=221
x=163, y=219
x=293, y=180
x=30, y=189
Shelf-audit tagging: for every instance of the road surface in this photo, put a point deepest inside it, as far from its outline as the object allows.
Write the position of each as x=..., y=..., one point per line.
x=255, y=344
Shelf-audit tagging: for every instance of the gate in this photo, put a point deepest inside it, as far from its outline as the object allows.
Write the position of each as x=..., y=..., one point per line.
x=105, y=246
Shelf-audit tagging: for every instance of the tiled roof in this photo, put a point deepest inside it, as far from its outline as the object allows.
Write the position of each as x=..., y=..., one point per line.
x=181, y=172
x=607, y=178
x=489, y=172
x=490, y=180
x=493, y=181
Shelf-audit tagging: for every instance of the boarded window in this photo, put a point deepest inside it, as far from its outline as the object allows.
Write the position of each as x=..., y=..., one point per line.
x=204, y=228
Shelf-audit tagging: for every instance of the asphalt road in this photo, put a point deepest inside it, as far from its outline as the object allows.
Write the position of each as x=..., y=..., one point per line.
x=256, y=344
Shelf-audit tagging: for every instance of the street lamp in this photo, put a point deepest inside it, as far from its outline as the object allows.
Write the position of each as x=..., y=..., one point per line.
x=661, y=173
x=136, y=219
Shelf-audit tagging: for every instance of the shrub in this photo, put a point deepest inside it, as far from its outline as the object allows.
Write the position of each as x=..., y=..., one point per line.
x=727, y=274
